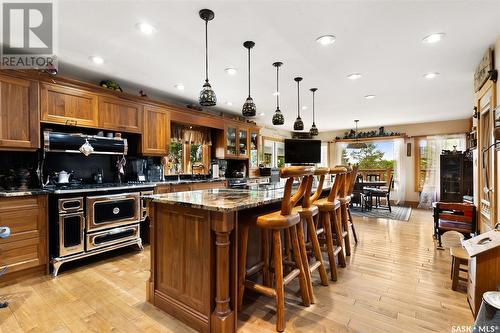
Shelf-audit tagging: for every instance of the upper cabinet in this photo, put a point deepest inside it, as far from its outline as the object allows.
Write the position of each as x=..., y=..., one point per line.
x=120, y=115
x=233, y=144
x=68, y=106
x=254, y=149
x=156, y=133
x=19, y=114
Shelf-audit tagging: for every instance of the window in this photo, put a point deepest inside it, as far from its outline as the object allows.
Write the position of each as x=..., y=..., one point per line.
x=376, y=161
x=190, y=150
x=324, y=154
x=426, y=151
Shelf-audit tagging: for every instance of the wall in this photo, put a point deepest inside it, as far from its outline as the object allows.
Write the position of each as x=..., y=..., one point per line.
x=411, y=130
x=497, y=67
x=275, y=133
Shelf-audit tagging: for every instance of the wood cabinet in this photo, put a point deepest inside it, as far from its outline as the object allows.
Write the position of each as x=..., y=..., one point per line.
x=156, y=131
x=68, y=106
x=19, y=114
x=455, y=177
x=25, y=250
x=120, y=115
x=233, y=144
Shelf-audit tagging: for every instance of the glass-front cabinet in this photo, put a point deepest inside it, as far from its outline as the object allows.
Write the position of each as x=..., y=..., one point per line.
x=243, y=142
x=231, y=141
x=280, y=154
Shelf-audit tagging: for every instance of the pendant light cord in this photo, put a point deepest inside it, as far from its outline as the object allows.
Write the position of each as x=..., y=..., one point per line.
x=277, y=87
x=206, y=50
x=298, y=100
x=248, y=72
x=313, y=106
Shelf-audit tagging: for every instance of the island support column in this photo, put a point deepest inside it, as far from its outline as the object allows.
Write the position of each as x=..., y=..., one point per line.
x=223, y=317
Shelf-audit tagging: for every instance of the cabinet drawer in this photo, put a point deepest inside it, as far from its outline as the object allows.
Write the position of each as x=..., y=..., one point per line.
x=120, y=115
x=26, y=218
x=68, y=106
x=162, y=189
x=23, y=254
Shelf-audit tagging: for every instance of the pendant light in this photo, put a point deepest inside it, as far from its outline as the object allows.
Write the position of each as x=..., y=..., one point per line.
x=314, y=130
x=207, y=95
x=356, y=144
x=298, y=125
x=249, y=109
x=278, y=118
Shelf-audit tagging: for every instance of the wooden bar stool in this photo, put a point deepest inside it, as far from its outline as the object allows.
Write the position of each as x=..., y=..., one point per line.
x=329, y=213
x=307, y=212
x=276, y=222
x=352, y=181
x=345, y=200
x=459, y=257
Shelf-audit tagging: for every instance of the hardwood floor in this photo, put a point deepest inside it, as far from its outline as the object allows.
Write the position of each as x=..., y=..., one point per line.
x=395, y=281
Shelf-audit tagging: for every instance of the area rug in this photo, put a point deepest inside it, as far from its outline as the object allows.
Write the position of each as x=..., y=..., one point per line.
x=400, y=213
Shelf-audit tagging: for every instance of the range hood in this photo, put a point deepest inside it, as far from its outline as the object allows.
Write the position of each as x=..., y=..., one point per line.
x=72, y=142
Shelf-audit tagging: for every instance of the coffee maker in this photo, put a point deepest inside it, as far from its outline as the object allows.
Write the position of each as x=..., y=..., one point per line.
x=138, y=168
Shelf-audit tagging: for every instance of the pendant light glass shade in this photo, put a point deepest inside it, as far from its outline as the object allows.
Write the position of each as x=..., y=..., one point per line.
x=249, y=109
x=298, y=125
x=314, y=130
x=207, y=95
x=357, y=144
x=278, y=118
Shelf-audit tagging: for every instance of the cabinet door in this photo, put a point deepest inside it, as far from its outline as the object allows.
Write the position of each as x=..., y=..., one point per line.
x=19, y=114
x=156, y=134
x=242, y=143
x=69, y=106
x=120, y=115
x=231, y=141
x=254, y=149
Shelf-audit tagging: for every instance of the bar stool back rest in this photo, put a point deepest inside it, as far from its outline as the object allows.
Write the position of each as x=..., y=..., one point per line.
x=352, y=179
x=321, y=172
x=338, y=183
x=289, y=201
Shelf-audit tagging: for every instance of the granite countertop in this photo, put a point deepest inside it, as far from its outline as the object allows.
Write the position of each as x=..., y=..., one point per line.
x=227, y=200
x=21, y=193
x=187, y=181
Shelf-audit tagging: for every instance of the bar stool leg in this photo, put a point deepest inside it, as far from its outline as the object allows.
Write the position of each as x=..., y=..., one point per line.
x=280, y=287
x=335, y=221
x=352, y=226
x=311, y=231
x=300, y=266
x=345, y=225
x=242, y=262
x=266, y=276
x=288, y=250
x=305, y=260
x=329, y=244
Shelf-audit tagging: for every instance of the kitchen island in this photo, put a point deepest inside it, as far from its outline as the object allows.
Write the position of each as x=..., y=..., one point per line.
x=194, y=238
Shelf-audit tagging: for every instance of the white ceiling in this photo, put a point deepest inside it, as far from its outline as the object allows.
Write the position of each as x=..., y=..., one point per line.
x=380, y=39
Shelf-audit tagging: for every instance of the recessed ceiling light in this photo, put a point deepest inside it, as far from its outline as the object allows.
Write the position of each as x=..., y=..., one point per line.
x=326, y=40
x=433, y=38
x=229, y=103
x=276, y=93
x=179, y=86
x=354, y=76
x=145, y=28
x=262, y=114
x=304, y=107
x=96, y=60
x=370, y=96
x=431, y=75
x=231, y=71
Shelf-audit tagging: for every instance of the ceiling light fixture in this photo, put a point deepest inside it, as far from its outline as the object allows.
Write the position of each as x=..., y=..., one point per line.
x=298, y=125
x=96, y=60
x=229, y=103
x=431, y=75
x=179, y=86
x=262, y=114
x=304, y=107
x=356, y=144
x=207, y=95
x=249, y=108
x=278, y=118
x=326, y=40
x=314, y=130
x=433, y=38
x=354, y=76
x=145, y=28
x=231, y=71
x=370, y=96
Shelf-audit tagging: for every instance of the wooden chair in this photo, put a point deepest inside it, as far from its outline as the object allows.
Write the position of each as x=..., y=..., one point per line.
x=459, y=257
x=350, y=194
x=276, y=223
x=460, y=217
x=329, y=219
x=308, y=212
x=382, y=192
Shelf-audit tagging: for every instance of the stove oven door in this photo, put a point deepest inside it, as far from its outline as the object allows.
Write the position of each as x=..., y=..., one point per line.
x=116, y=235
x=71, y=233
x=108, y=211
